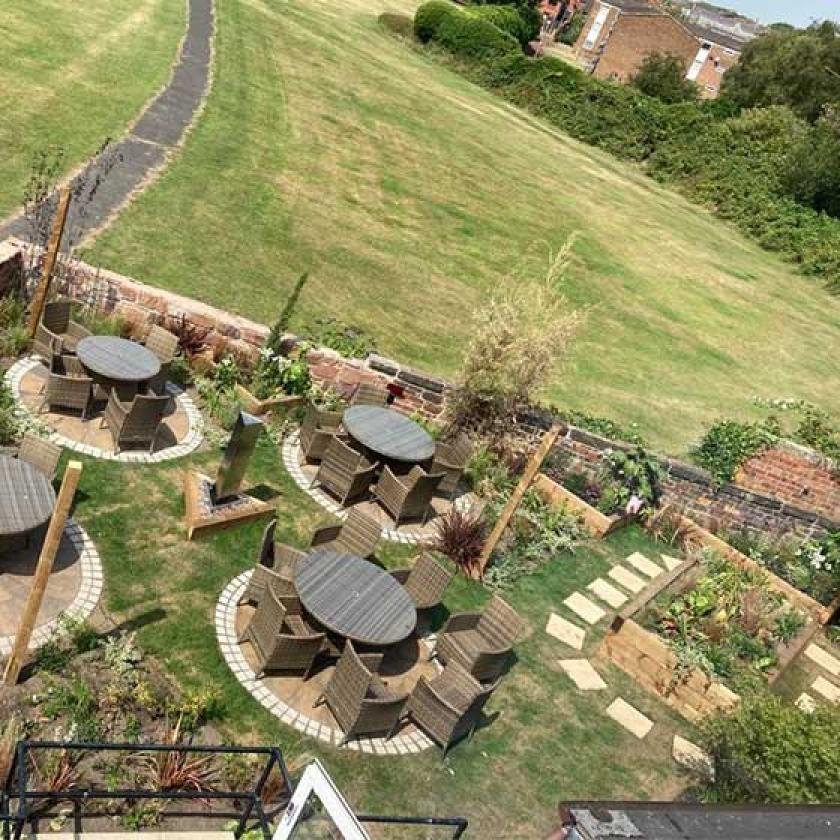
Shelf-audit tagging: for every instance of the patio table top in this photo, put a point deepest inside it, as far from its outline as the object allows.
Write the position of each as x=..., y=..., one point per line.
x=117, y=359
x=388, y=433
x=354, y=598
x=27, y=497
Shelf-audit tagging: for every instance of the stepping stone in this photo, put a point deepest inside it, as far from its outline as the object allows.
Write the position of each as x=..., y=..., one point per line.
x=624, y=577
x=671, y=563
x=566, y=632
x=629, y=717
x=806, y=702
x=581, y=606
x=584, y=676
x=607, y=593
x=824, y=659
x=827, y=689
x=646, y=567
x=691, y=756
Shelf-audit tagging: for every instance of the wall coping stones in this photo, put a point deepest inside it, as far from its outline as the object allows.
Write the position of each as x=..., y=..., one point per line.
x=381, y=364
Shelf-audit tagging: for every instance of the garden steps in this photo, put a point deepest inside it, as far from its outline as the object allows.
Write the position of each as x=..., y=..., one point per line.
x=627, y=579
x=630, y=718
x=582, y=607
x=687, y=754
x=607, y=593
x=824, y=659
x=826, y=689
x=583, y=674
x=641, y=563
x=565, y=631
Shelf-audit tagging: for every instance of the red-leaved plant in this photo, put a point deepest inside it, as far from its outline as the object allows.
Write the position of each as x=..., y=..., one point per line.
x=460, y=537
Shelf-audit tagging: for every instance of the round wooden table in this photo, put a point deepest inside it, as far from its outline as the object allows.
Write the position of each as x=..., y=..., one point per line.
x=114, y=361
x=354, y=598
x=27, y=498
x=389, y=434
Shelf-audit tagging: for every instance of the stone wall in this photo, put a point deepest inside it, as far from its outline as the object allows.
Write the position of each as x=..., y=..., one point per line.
x=11, y=266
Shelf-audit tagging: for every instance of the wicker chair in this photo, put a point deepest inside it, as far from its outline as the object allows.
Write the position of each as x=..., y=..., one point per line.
x=357, y=697
x=407, y=497
x=344, y=472
x=480, y=642
x=68, y=385
x=137, y=422
x=447, y=707
x=276, y=566
x=358, y=534
x=367, y=393
x=316, y=431
x=425, y=582
x=164, y=345
x=41, y=454
x=56, y=332
x=451, y=460
x=282, y=642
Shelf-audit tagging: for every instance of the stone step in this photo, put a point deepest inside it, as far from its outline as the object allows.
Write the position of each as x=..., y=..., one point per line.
x=824, y=659
x=582, y=607
x=671, y=563
x=826, y=689
x=626, y=578
x=641, y=563
x=607, y=593
x=692, y=757
x=566, y=632
x=583, y=674
x=629, y=717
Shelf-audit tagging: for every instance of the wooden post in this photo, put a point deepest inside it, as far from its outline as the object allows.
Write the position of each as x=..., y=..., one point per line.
x=32, y=606
x=513, y=502
x=50, y=260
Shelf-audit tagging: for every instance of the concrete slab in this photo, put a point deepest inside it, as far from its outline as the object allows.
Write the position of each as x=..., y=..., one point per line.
x=641, y=563
x=692, y=757
x=566, y=632
x=607, y=593
x=630, y=718
x=583, y=675
x=827, y=689
x=581, y=606
x=824, y=659
x=671, y=563
x=626, y=578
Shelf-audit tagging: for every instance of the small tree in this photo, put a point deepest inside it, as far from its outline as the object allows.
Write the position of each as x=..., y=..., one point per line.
x=662, y=76
x=520, y=335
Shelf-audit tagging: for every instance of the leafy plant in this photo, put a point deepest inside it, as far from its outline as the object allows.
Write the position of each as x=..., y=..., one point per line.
x=627, y=476
x=74, y=701
x=192, y=339
x=178, y=770
x=276, y=373
x=460, y=536
x=662, y=76
x=14, y=337
x=349, y=341
x=9, y=422
x=56, y=771
x=728, y=444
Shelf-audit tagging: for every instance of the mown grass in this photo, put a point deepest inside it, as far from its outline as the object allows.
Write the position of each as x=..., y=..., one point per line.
x=329, y=145
x=546, y=742
x=75, y=74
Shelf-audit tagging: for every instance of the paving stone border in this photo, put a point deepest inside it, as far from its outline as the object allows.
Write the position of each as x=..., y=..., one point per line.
x=413, y=742
x=191, y=442
x=86, y=598
x=291, y=460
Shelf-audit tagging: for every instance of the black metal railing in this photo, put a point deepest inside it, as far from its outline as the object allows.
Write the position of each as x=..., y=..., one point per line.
x=457, y=824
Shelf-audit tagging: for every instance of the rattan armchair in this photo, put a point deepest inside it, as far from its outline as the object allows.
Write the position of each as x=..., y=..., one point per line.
x=451, y=460
x=56, y=331
x=346, y=473
x=164, y=345
x=276, y=566
x=41, y=454
x=282, y=642
x=358, y=534
x=480, y=642
x=407, y=497
x=357, y=697
x=425, y=582
x=368, y=393
x=135, y=422
x=447, y=707
x=317, y=431
x=68, y=385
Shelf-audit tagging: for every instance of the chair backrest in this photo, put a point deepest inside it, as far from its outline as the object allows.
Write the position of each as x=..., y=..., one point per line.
x=341, y=458
x=266, y=555
x=71, y=366
x=267, y=620
x=422, y=487
x=500, y=624
x=41, y=454
x=460, y=449
x=329, y=419
x=367, y=393
x=359, y=534
x=428, y=580
x=162, y=343
x=144, y=416
x=348, y=685
x=56, y=316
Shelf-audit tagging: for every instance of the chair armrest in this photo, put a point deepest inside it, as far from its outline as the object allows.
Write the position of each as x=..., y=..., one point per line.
x=371, y=661
x=389, y=484
x=424, y=686
x=325, y=534
x=368, y=470
x=77, y=330
x=461, y=621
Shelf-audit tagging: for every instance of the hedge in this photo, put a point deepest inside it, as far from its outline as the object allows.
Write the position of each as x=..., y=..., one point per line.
x=474, y=38
x=428, y=18
x=506, y=18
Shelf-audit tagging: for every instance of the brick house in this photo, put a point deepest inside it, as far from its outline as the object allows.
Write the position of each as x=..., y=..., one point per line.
x=620, y=34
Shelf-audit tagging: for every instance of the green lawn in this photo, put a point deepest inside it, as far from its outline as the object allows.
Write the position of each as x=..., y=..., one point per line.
x=74, y=74
x=548, y=742
x=330, y=146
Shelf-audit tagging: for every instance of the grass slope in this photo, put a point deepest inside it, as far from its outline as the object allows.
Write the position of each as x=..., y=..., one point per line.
x=546, y=742
x=330, y=146
x=74, y=74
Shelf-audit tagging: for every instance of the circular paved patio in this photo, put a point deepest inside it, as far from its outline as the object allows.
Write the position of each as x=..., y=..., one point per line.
x=180, y=434
x=73, y=589
x=290, y=698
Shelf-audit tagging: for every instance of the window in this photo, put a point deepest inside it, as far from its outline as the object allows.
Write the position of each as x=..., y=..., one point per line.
x=699, y=60
x=595, y=29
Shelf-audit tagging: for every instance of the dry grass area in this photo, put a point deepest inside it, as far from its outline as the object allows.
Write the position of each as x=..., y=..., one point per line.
x=330, y=146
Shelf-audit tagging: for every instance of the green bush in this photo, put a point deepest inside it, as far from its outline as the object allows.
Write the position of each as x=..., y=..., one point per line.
x=768, y=750
x=9, y=424
x=506, y=18
x=728, y=443
x=572, y=32
x=662, y=76
x=428, y=18
x=472, y=37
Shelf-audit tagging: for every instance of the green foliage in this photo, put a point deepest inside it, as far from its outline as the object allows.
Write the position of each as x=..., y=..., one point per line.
x=350, y=341
x=626, y=474
x=572, y=32
x=471, y=37
x=9, y=423
x=73, y=701
x=727, y=444
x=487, y=474
x=602, y=426
x=102, y=323
x=281, y=326
x=217, y=394
x=401, y=25
x=508, y=19
x=13, y=335
x=662, y=76
x=278, y=374
x=799, y=68
x=812, y=172
x=770, y=751
x=813, y=426
x=429, y=17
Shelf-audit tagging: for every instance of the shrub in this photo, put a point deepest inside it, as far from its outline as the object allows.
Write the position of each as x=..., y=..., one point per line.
x=506, y=18
x=429, y=17
x=625, y=475
x=14, y=337
x=662, y=76
x=9, y=423
x=768, y=750
x=727, y=444
x=472, y=37
x=350, y=341
x=460, y=537
x=571, y=33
